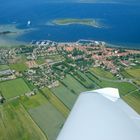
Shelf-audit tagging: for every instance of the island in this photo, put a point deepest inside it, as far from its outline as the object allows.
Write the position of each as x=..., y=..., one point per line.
x=68, y=21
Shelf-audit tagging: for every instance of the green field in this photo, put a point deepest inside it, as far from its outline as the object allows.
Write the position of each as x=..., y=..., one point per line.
x=133, y=100
x=33, y=101
x=16, y=124
x=125, y=74
x=102, y=73
x=20, y=65
x=84, y=80
x=124, y=87
x=13, y=88
x=69, y=90
x=56, y=101
x=65, y=95
x=4, y=67
x=134, y=73
x=47, y=117
x=74, y=84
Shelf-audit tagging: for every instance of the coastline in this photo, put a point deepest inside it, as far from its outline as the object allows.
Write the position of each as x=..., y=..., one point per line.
x=15, y=43
x=109, y=45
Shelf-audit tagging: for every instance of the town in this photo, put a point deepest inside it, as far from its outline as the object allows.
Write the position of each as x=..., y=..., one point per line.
x=44, y=63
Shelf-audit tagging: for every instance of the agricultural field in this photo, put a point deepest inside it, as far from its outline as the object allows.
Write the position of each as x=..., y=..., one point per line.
x=74, y=84
x=125, y=74
x=135, y=73
x=33, y=101
x=20, y=65
x=102, y=73
x=84, y=80
x=16, y=123
x=133, y=100
x=56, y=101
x=49, y=119
x=45, y=115
x=65, y=95
x=13, y=88
x=124, y=87
x=4, y=67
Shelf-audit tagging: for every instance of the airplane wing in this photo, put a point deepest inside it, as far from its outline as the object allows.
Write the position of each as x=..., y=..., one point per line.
x=101, y=115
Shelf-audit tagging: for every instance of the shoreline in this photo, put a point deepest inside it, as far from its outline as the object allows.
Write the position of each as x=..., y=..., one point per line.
x=11, y=43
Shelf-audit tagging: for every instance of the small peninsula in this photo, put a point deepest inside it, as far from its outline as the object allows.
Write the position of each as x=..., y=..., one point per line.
x=68, y=21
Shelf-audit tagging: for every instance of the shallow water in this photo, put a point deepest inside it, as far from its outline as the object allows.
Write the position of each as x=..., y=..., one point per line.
x=122, y=21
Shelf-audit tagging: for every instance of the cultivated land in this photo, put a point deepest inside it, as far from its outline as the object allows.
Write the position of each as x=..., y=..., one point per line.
x=13, y=88
x=134, y=72
x=4, y=67
x=19, y=65
x=16, y=124
x=133, y=100
x=124, y=87
x=47, y=117
x=65, y=95
x=73, y=84
x=55, y=101
x=103, y=73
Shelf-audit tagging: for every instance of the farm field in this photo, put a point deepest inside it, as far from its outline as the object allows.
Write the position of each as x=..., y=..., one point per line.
x=13, y=88
x=56, y=101
x=65, y=95
x=124, y=87
x=47, y=117
x=133, y=100
x=134, y=73
x=33, y=101
x=74, y=84
x=20, y=65
x=102, y=73
x=125, y=74
x=16, y=124
x=84, y=80
x=4, y=67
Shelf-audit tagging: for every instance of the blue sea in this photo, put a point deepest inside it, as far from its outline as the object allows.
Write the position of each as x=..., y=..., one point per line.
x=122, y=21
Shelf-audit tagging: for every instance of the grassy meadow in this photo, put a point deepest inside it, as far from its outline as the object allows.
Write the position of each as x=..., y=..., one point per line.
x=102, y=73
x=16, y=123
x=133, y=100
x=13, y=88
x=45, y=114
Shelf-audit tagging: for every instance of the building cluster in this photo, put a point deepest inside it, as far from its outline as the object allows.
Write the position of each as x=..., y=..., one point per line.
x=62, y=58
